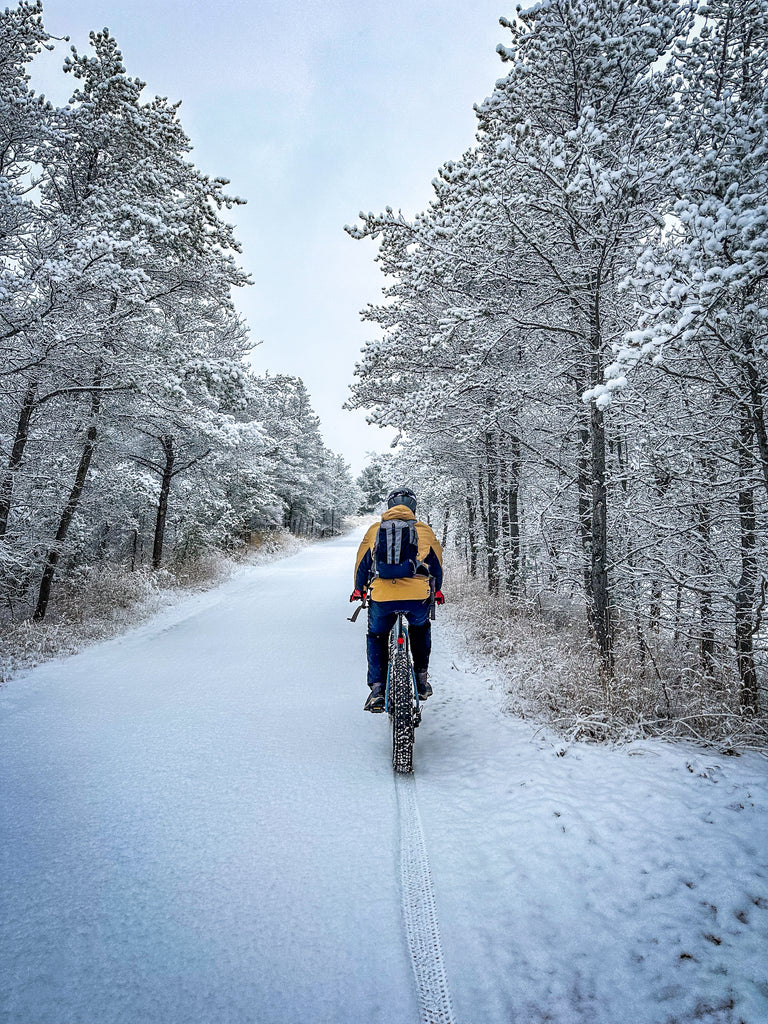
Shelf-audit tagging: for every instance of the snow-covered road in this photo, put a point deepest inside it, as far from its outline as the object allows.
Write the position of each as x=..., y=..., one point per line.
x=199, y=824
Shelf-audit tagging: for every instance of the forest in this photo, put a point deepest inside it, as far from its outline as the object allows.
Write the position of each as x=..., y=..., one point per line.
x=134, y=434
x=200, y=819
x=572, y=344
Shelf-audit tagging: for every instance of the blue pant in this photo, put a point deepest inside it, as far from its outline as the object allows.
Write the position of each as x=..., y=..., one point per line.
x=381, y=618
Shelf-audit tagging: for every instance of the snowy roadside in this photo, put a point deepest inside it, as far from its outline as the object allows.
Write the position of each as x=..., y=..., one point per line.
x=180, y=814
x=598, y=883
x=545, y=669
x=117, y=602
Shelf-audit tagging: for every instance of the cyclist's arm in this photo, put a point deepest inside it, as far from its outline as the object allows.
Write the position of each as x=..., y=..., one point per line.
x=364, y=561
x=435, y=568
x=363, y=572
x=434, y=556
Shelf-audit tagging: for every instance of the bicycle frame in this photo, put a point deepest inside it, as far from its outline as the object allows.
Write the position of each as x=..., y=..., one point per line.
x=399, y=636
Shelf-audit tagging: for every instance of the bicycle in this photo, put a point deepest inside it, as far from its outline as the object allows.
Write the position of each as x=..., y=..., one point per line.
x=401, y=700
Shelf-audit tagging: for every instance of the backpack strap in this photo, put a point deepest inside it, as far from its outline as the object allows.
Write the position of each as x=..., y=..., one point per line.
x=394, y=530
x=394, y=535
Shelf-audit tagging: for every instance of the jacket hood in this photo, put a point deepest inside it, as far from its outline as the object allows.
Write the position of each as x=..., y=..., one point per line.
x=398, y=512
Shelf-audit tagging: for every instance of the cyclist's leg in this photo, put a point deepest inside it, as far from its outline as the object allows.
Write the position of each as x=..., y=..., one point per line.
x=380, y=623
x=420, y=633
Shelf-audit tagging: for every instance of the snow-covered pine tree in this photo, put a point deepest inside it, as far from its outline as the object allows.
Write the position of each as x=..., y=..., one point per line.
x=120, y=196
x=504, y=305
x=375, y=483
x=701, y=294
x=576, y=127
x=24, y=122
x=129, y=416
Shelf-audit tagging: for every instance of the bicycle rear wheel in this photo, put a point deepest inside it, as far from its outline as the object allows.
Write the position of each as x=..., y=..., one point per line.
x=401, y=700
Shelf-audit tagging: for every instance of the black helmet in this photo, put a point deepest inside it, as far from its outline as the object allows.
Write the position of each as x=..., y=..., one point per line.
x=402, y=496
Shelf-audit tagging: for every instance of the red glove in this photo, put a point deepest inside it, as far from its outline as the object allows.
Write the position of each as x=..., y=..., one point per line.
x=439, y=597
x=357, y=596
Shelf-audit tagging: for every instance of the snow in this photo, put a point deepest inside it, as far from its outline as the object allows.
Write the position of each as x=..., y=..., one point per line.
x=199, y=823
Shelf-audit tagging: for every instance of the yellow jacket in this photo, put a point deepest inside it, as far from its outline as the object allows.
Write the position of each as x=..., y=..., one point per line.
x=413, y=588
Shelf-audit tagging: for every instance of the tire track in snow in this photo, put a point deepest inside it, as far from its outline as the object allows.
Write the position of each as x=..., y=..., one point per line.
x=419, y=911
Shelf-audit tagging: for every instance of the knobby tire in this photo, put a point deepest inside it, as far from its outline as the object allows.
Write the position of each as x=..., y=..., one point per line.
x=401, y=705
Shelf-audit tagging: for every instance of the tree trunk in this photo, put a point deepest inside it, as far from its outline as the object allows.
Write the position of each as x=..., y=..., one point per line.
x=745, y=590
x=506, y=572
x=678, y=601
x=599, y=565
x=444, y=538
x=492, y=533
x=72, y=504
x=166, y=442
x=472, y=530
x=512, y=519
x=706, y=618
x=654, y=611
x=599, y=593
x=756, y=408
x=17, y=453
x=584, y=502
x=662, y=480
x=482, y=507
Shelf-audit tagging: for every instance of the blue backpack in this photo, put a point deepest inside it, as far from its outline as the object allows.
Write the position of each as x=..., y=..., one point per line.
x=396, y=551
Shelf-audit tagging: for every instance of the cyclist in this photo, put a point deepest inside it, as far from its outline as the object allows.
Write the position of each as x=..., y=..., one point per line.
x=409, y=594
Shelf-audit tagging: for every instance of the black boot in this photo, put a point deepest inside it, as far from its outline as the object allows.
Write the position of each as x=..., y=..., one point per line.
x=376, y=698
x=423, y=688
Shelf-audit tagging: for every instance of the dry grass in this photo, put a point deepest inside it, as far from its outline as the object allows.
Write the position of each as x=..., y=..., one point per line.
x=99, y=602
x=93, y=605
x=550, y=670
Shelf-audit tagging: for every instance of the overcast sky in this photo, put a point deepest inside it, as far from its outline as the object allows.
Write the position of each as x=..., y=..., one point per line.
x=315, y=111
